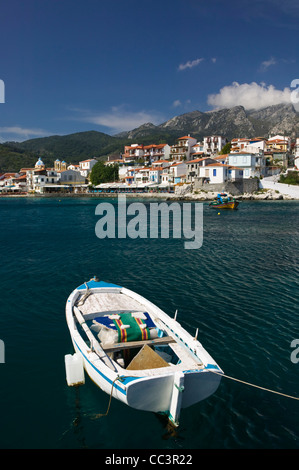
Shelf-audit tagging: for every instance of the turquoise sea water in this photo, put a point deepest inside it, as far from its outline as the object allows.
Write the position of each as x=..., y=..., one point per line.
x=240, y=289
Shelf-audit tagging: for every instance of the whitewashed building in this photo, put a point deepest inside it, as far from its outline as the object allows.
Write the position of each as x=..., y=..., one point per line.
x=216, y=173
x=86, y=166
x=193, y=168
x=157, y=152
x=296, y=158
x=155, y=174
x=182, y=149
x=213, y=144
x=177, y=172
x=253, y=164
x=248, y=145
x=280, y=142
x=41, y=180
x=132, y=153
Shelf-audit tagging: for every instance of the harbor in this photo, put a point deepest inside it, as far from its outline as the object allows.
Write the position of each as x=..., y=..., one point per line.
x=239, y=289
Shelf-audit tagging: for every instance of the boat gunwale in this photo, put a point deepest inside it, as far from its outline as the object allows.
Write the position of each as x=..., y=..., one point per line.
x=184, y=338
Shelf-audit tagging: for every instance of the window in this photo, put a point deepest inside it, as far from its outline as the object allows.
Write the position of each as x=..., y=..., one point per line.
x=214, y=172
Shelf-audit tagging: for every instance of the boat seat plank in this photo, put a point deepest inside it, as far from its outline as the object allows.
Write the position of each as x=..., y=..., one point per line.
x=136, y=344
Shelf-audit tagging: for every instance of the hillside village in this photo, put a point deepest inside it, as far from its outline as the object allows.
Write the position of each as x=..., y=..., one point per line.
x=161, y=167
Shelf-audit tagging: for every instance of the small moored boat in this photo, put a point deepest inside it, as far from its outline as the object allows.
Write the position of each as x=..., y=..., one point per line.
x=135, y=352
x=224, y=202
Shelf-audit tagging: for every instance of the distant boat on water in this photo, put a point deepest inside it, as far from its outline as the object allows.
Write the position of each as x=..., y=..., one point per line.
x=223, y=201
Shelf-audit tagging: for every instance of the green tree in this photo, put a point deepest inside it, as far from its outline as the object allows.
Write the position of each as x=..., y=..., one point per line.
x=292, y=177
x=102, y=173
x=226, y=148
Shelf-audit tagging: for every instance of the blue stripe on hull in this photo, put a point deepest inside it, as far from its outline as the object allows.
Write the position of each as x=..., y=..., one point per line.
x=101, y=373
x=92, y=284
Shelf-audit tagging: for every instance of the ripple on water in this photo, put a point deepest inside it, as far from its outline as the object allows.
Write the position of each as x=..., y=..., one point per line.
x=240, y=289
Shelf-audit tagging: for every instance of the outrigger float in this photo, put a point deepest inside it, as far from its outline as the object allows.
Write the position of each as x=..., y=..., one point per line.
x=223, y=201
x=135, y=352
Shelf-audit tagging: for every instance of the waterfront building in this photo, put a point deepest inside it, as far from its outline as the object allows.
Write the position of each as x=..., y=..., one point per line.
x=296, y=156
x=177, y=172
x=255, y=145
x=216, y=173
x=213, y=144
x=142, y=175
x=181, y=151
x=72, y=167
x=193, y=168
x=163, y=163
x=197, y=150
x=155, y=174
x=221, y=158
x=125, y=171
x=42, y=180
x=253, y=164
x=72, y=178
x=9, y=182
x=281, y=143
x=132, y=153
x=154, y=152
x=86, y=166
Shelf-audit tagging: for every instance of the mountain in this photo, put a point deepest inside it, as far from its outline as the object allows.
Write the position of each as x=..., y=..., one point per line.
x=278, y=119
x=12, y=159
x=72, y=146
x=230, y=123
x=233, y=122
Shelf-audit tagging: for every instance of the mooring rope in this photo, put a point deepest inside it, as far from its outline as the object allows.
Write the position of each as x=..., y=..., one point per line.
x=256, y=386
x=100, y=415
x=84, y=297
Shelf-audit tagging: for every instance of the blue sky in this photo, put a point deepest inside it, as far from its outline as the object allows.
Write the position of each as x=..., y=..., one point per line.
x=74, y=65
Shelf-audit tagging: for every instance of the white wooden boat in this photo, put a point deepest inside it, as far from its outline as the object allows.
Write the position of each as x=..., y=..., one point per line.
x=135, y=352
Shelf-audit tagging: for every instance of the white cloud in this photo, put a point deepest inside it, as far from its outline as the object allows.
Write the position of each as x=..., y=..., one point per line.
x=250, y=95
x=190, y=64
x=119, y=119
x=17, y=133
x=267, y=63
x=214, y=60
x=182, y=104
x=176, y=103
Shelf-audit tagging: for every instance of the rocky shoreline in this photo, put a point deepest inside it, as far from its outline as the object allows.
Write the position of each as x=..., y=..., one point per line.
x=262, y=195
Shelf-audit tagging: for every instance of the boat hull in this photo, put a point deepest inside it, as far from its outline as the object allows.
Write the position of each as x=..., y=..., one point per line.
x=226, y=205
x=141, y=390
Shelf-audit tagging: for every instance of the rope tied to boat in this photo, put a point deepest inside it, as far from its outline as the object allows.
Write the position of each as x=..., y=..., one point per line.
x=100, y=415
x=255, y=386
x=84, y=297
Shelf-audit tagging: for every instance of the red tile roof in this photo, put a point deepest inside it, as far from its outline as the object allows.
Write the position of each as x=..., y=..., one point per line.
x=186, y=137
